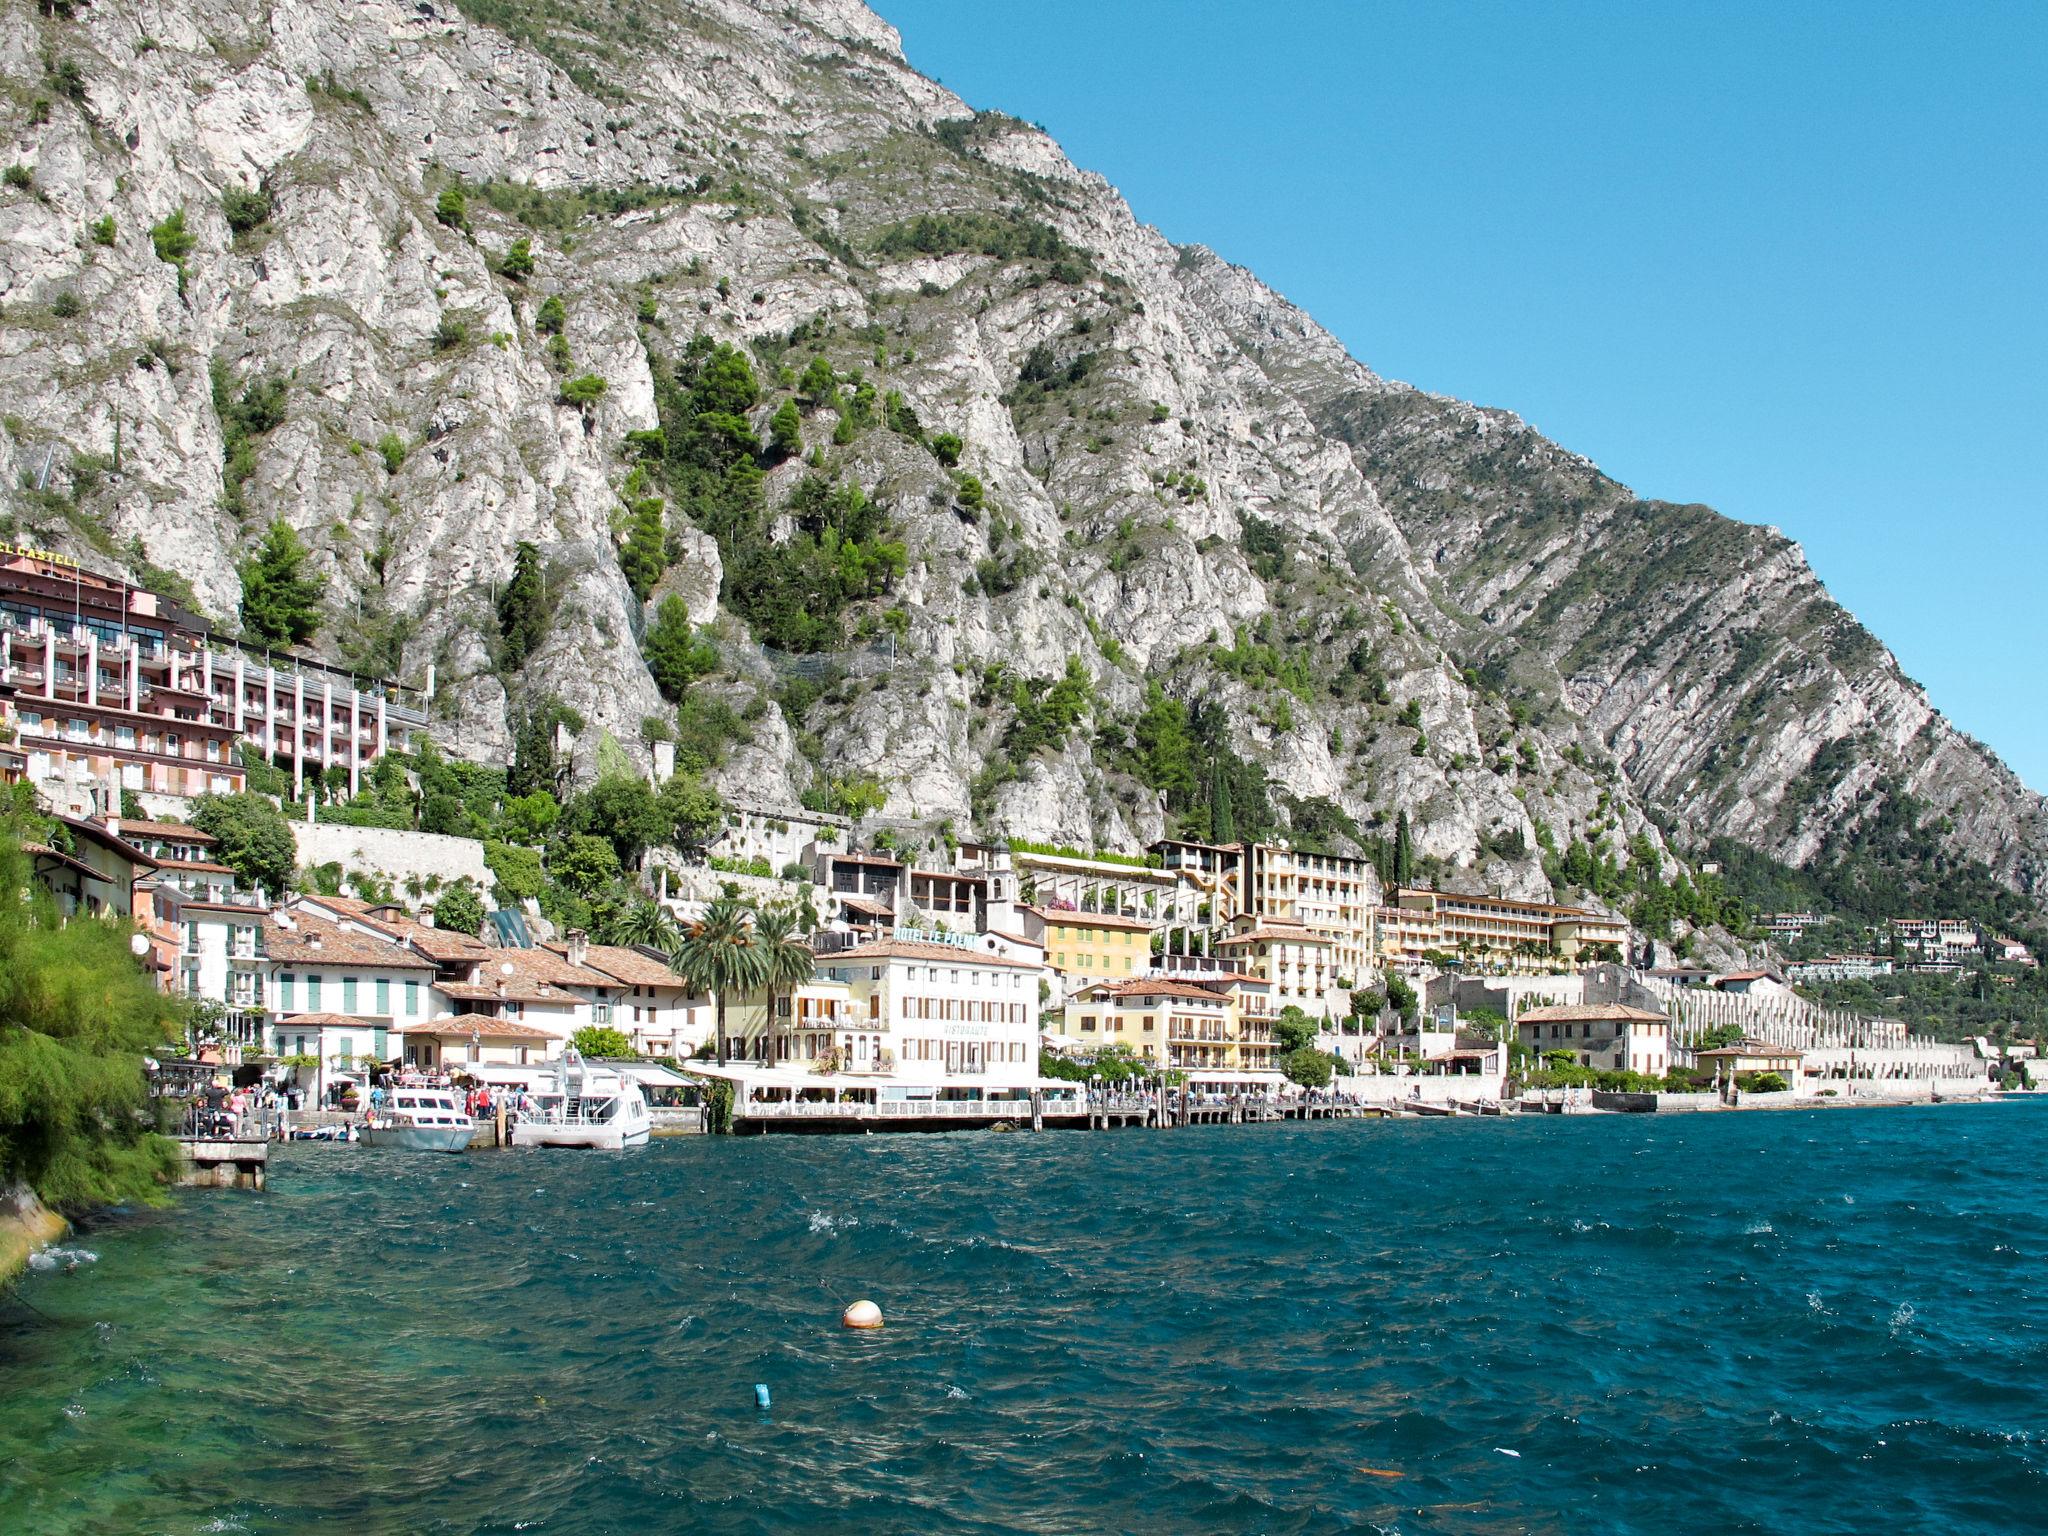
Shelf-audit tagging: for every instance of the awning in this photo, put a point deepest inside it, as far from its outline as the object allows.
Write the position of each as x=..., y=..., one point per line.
x=1201, y=1075
x=649, y=1074
x=499, y=1074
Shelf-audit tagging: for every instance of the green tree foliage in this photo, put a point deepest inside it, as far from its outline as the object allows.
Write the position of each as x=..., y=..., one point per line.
x=452, y=208
x=690, y=811
x=253, y=839
x=517, y=262
x=597, y=1042
x=620, y=808
x=843, y=549
x=1404, y=852
x=947, y=448
x=102, y=230
x=391, y=449
x=1008, y=236
x=583, y=391
x=552, y=316
x=585, y=864
x=819, y=384
x=1307, y=1066
x=717, y=958
x=280, y=602
x=1293, y=1029
x=1166, y=747
x=244, y=420
x=676, y=655
x=459, y=910
x=534, y=764
x=1400, y=995
x=786, y=431
x=645, y=553
x=173, y=243
x=854, y=796
x=77, y=1015
x=245, y=210
x=522, y=617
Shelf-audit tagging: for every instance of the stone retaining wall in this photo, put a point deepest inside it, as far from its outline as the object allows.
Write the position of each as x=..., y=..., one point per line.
x=394, y=855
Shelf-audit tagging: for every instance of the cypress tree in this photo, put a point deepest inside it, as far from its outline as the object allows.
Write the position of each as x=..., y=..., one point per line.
x=1222, y=820
x=519, y=606
x=1404, y=852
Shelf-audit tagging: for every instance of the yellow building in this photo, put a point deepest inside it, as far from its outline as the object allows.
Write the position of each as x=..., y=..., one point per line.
x=1218, y=1028
x=1081, y=947
x=1298, y=962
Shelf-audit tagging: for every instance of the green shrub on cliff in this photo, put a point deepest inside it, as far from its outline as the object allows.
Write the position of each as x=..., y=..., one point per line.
x=77, y=1016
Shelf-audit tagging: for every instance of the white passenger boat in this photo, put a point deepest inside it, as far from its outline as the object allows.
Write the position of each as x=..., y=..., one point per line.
x=585, y=1105
x=420, y=1120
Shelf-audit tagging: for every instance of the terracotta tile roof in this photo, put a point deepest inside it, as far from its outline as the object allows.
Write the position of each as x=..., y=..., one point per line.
x=909, y=949
x=1143, y=987
x=538, y=966
x=482, y=1025
x=1589, y=1013
x=196, y=866
x=170, y=831
x=1748, y=976
x=317, y=941
x=1276, y=935
x=329, y=1021
x=1091, y=919
x=514, y=990
x=1753, y=1048
x=624, y=963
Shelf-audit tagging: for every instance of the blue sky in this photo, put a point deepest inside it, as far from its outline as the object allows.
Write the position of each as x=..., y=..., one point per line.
x=1787, y=261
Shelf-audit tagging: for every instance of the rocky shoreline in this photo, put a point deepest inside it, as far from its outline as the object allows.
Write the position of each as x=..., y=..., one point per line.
x=26, y=1224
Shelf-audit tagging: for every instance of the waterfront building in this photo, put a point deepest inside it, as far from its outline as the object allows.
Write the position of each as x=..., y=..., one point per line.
x=539, y=988
x=813, y=1024
x=1216, y=1029
x=110, y=687
x=1334, y=895
x=1081, y=947
x=657, y=1011
x=1748, y=1055
x=316, y=966
x=1297, y=962
x=1608, y=1037
x=933, y=1012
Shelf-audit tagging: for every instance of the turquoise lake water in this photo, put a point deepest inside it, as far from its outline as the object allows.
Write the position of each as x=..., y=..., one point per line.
x=1794, y=1322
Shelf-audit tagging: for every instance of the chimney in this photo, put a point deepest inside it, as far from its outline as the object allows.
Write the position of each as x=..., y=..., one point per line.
x=113, y=826
x=579, y=946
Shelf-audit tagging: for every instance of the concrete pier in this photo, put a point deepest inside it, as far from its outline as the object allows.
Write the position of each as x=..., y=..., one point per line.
x=222, y=1162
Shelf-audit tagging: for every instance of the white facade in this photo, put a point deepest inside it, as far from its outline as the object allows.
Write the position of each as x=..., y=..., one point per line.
x=936, y=1013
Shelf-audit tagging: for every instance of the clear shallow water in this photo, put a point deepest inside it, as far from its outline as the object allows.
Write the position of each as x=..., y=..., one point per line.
x=1768, y=1322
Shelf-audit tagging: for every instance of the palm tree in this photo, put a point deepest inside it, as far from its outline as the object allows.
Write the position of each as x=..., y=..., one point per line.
x=785, y=961
x=716, y=955
x=645, y=921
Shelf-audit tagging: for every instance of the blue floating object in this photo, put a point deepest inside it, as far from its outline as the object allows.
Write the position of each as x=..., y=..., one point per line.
x=760, y=1394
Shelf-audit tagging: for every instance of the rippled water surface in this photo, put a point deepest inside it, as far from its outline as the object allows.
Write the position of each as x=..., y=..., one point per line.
x=1770, y=1322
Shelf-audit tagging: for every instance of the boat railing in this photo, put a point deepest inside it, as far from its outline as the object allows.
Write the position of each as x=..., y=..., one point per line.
x=888, y=1109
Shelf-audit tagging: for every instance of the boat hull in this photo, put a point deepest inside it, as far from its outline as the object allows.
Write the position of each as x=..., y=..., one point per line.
x=419, y=1138
x=604, y=1138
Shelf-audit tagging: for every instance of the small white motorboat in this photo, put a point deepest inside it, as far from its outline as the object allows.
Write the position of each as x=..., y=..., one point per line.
x=420, y=1120
x=585, y=1106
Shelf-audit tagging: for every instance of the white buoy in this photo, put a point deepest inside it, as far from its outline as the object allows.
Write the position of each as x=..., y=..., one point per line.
x=862, y=1314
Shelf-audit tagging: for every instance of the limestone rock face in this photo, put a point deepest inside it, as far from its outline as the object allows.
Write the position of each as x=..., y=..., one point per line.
x=1185, y=480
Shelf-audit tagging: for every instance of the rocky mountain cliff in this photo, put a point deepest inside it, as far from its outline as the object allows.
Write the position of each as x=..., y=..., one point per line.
x=1073, y=534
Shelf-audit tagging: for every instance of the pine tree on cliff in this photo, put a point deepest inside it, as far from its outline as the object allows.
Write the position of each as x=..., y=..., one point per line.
x=1404, y=852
